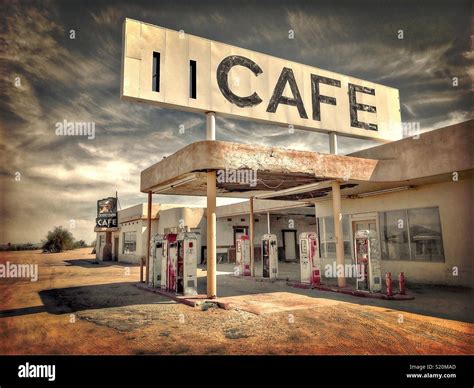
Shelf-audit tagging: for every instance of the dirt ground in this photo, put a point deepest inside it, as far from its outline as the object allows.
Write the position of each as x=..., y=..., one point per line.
x=78, y=306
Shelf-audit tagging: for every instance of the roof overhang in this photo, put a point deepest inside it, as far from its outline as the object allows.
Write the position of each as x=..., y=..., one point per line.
x=291, y=175
x=274, y=170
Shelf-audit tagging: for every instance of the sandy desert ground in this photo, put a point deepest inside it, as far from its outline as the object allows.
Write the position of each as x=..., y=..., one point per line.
x=79, y=306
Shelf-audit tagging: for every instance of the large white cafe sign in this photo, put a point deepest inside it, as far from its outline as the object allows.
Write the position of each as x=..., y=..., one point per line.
x=180, y=71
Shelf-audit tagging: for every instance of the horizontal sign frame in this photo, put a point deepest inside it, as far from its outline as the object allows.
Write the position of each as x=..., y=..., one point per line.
x=180, y=71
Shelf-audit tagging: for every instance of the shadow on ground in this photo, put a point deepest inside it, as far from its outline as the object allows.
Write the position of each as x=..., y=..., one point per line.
x=445, y=302
x=95, y=297
x=97, y=264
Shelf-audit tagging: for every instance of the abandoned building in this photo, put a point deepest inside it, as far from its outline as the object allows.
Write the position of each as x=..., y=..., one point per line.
x=414, y=193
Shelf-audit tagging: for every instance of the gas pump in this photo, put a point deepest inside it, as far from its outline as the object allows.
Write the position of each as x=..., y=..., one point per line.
x=367, y=256
x=164, y=263
x=242, y=255
x=186, y=276
x=310, y=262
x=269, y=256
x=156, y=254
x=170, y=263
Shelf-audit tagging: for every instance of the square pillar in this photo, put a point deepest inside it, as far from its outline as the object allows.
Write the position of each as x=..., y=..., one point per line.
x=336, y=207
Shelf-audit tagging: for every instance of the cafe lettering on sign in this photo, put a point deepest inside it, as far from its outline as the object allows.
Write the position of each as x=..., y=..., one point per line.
x=180, y=71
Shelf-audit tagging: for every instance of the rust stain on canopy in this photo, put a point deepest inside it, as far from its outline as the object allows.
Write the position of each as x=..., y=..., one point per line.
x=276, y=168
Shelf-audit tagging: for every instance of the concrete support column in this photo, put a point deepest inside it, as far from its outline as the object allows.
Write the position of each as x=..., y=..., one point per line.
x=211, y=215
x=251, y=234
x=148, y=246
x=333, y=143
x=336, y=207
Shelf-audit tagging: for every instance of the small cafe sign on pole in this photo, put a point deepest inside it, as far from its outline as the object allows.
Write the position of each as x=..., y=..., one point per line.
x=107, y=213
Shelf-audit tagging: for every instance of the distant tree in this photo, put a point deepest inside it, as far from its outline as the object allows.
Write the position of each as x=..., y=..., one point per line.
x=79, y=244
x=58, y=240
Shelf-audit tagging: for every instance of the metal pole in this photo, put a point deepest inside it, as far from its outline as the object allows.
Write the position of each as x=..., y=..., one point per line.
x=333, y=143
x=268, y=222
x=211, y=235
x=147, y=272
x=211, y=214
x=316, y=224
x=336, y=207
x=210, y=126
x=251, y=233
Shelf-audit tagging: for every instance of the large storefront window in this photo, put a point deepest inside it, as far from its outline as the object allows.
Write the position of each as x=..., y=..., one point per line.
x=129, y=242
x=328, y=240
x=425, y=234
x=394, y=235
x=413, y=234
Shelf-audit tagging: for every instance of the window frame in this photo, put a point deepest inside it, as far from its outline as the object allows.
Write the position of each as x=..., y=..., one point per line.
x=410, y=258
x=124, y=245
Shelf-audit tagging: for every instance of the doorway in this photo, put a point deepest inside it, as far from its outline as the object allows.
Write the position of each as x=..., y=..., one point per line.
x=370, y=224
x=289, y=244
x=116, y=248
x=240, y=231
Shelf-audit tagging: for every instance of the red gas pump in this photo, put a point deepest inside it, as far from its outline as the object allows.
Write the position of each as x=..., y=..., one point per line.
x=388, y=283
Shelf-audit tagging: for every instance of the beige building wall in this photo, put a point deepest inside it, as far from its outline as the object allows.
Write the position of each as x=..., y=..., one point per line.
x=170, y=218
x=454, y=200
x=139, y=227
x=225, y=230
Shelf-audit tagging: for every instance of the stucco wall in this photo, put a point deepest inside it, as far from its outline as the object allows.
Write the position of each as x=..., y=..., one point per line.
x=225, y=230
x=170, y=218
x=140, y=227
x=454, y=200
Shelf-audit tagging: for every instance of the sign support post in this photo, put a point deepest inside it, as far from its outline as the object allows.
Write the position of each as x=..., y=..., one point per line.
x=147, y=272
x=211, y=214
x=251, y=236
x=333, y=143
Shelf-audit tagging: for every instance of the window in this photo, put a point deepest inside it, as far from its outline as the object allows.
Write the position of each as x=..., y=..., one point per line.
x=394, y=235
x=155, y=80
x=425, y=234
x=327, y=237
x=413, y=234
x=129, y=242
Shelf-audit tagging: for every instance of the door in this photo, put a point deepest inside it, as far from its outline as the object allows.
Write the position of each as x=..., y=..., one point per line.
x=239, y=231
x=364, y=225
x=289, y=244
x=116, y=248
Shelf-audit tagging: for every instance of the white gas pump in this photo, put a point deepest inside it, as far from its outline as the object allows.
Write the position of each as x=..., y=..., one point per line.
x=242, y=255
x=269, y=256
x=156, y=256
x=310, y=262
x=186, y=280
x=367, y=254
x=164, y=263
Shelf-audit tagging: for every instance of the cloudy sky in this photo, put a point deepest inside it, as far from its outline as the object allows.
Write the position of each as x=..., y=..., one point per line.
x=47, y=77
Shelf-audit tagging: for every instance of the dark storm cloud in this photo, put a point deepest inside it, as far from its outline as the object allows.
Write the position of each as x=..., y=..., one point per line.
x=79, y=80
